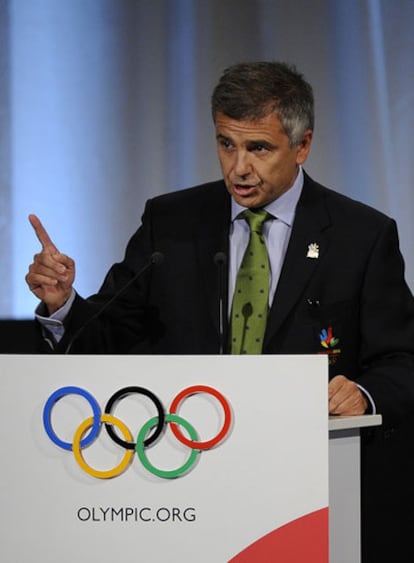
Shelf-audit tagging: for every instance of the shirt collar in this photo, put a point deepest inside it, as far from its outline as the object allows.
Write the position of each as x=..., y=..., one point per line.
x=283, y=207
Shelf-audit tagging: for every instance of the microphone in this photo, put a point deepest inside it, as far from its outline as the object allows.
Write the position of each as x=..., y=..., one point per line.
x=220, y=259
x=156, y=258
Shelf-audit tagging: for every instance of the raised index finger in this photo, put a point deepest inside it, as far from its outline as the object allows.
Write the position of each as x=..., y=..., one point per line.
x=42, y=235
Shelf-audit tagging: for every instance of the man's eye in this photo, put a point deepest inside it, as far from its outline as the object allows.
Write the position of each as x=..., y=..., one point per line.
x=259, y=148
x=225, y=143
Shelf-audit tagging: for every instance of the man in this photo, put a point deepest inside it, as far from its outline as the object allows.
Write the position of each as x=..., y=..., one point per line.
x=333, y=270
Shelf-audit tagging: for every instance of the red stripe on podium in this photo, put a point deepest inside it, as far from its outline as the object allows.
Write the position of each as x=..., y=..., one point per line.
x=302, y=540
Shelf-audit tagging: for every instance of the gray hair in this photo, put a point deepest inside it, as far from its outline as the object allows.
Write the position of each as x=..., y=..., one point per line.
x=251, y=91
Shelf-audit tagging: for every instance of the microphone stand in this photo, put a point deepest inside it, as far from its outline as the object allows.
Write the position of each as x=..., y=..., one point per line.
x=220, y=259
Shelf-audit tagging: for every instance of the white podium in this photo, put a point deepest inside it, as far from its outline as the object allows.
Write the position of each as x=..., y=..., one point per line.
x=242, y=478
x=345, y=486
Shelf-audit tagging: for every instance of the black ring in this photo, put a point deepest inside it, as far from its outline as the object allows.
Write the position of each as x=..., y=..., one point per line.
x=124, y=393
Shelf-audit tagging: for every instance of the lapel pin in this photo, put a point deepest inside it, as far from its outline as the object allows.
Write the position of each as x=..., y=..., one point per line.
x=313, y=250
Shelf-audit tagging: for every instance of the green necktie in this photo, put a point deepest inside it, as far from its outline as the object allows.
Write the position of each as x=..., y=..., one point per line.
x=251, y=294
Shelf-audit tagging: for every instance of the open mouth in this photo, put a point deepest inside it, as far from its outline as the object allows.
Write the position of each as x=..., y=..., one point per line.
x=243, y=189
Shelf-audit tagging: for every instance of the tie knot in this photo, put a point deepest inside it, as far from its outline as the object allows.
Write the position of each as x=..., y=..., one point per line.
x=256, y=219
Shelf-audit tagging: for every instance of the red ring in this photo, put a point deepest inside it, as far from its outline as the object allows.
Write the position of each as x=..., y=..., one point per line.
x=227, y=417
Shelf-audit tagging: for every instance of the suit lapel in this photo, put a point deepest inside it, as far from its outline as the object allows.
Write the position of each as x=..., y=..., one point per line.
x=307, y=247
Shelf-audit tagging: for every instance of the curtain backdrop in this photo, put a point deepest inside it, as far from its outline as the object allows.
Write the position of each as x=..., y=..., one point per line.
x=105, y=103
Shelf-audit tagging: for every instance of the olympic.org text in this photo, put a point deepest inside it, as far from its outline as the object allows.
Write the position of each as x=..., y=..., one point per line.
x=135, y=514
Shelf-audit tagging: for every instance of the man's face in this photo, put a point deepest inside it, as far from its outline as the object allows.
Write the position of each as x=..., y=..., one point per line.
x=257, y=162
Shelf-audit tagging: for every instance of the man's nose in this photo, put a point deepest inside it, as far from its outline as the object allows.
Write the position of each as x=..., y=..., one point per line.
x=242, y=165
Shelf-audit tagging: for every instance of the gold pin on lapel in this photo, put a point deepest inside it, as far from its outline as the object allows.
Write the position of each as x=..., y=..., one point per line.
x=313, y=250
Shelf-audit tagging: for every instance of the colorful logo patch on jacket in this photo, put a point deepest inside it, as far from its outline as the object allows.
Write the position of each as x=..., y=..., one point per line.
x=329, y=342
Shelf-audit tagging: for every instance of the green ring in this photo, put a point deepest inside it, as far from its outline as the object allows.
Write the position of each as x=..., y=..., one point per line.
x=143, y=457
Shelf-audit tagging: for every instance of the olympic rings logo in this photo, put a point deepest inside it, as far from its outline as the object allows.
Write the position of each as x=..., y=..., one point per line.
x=148, y=434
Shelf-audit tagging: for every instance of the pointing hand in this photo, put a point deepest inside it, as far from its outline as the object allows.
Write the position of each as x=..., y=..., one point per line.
x=51, y=275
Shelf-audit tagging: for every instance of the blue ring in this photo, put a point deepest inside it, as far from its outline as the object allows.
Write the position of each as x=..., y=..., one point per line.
x=47, y=411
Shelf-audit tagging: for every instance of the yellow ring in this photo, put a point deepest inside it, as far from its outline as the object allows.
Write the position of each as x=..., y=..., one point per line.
x=126, y=460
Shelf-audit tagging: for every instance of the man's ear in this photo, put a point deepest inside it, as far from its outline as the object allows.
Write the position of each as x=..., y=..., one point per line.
x=303, y=147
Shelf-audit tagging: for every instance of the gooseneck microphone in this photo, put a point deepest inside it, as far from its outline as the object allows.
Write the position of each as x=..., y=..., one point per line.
x=155, y=259
x=220, y=259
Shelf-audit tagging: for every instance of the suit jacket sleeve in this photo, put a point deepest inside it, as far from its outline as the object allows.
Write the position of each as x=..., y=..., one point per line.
x=387, y=328
x=118, y=328
x=173, y=307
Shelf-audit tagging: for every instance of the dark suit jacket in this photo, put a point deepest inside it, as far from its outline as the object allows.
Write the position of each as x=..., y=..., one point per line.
x=355, y=288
